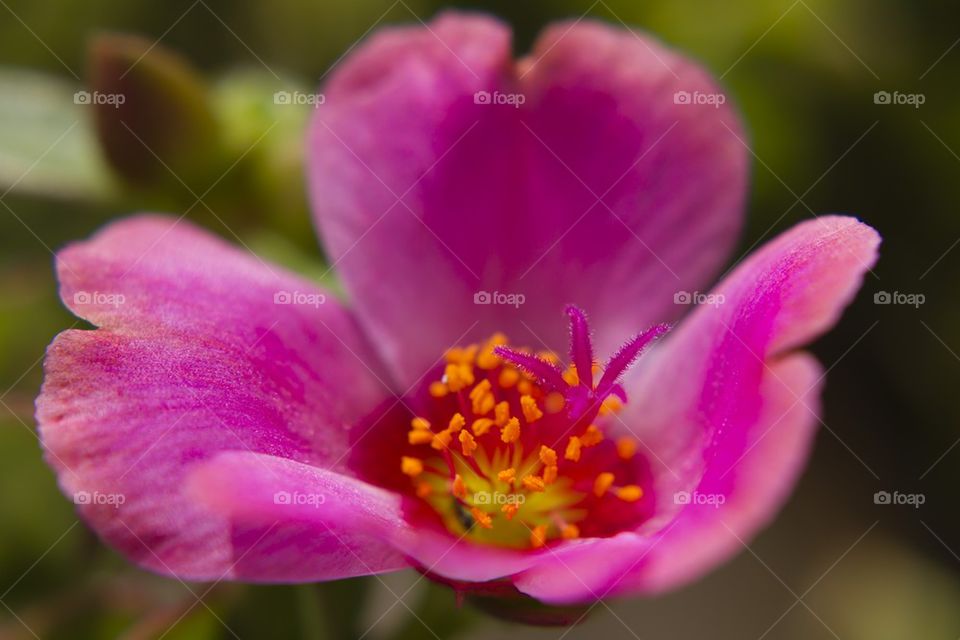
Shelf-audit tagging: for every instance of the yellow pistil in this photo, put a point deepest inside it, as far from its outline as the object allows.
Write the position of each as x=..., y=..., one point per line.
x=507, y=475
x=629, y=493
x=481, y=425
x=467, y=443
x=573, y=449
x=459, y=488
x=501, y=413
x=538, y=536
x=602, y=484
x=511, y=431
x=531, y=412
x=457, y=422
x=626, y=447
x=482, y=518
x=570, y=531
x=591, y=437
x=411, y=466
x=533, y=483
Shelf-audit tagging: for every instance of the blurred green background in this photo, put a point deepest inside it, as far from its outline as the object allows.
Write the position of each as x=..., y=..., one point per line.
x=804, y=72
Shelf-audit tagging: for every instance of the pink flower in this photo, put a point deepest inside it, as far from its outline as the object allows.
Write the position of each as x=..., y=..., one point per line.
x=248, y=425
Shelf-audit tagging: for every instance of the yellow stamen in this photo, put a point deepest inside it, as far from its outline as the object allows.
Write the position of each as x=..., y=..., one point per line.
x=501, y=413
x=419, y=436
x=481, y=425
x=458, y=376
x=626, y=447
x=550, y=474
x=486, y=358
x=602, y=483
x=467, y=443
x=531, y=412
x=441, y=440
x=592, y=436
x=629, y=493
x=507, y=475
x=459, y=488
x=510, y=510
x=457, y=422
x=554, y=402
x=511, y=431
x=482, y=518
x=547, y=455
x=420, y=423
x=438, y=389
x=538, y=536
x=411, y=466
x=508, y=377
x=533, y=483
x=573, y=449
x=570, y=531
x=481, y=398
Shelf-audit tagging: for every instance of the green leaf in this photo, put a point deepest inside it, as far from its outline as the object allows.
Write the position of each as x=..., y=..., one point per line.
x=47, y=144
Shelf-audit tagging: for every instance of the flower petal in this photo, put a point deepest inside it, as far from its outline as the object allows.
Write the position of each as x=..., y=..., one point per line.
x=600, y=189
x=193, y=357
x=726, y=411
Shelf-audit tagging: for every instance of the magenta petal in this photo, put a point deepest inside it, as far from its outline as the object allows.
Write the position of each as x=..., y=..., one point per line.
x=297, y=522
x=426, y=198
x=726, y=408
x=192, y=358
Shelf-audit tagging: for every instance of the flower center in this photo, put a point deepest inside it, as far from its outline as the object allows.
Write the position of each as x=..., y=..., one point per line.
x=512, y=451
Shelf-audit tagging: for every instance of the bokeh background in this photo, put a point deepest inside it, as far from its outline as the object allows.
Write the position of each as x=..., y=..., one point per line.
x=804, y=73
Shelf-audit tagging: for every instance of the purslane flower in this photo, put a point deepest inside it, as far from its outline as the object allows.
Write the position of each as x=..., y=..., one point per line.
x=227, y=419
